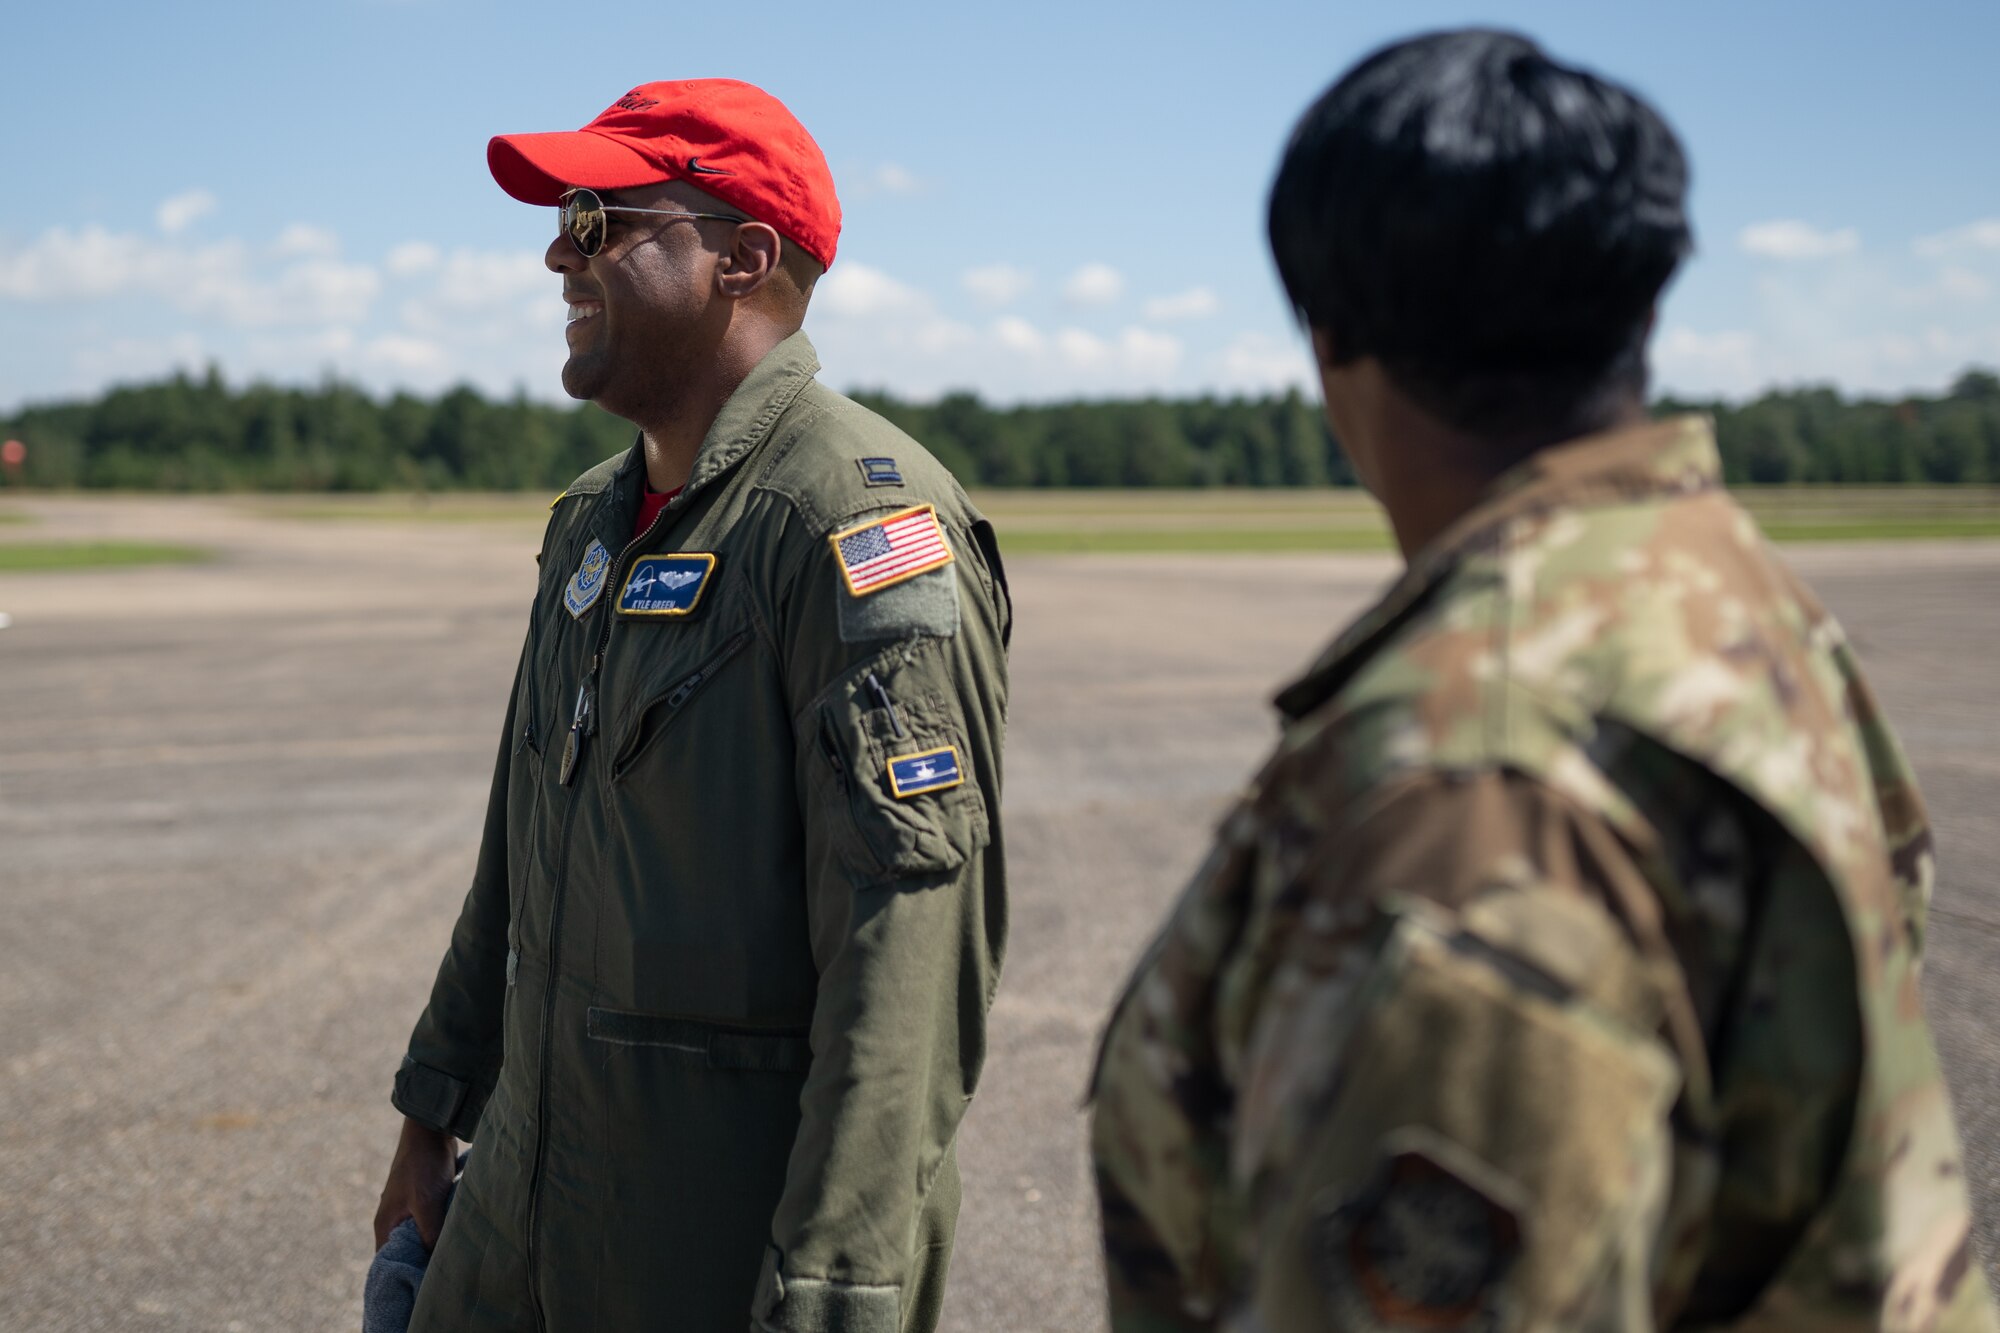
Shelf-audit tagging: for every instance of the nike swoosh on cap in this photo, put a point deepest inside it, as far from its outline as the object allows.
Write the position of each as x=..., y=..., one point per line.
x=695, y=168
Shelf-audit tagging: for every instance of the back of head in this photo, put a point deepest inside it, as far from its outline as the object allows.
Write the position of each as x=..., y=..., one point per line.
x=1493, y=226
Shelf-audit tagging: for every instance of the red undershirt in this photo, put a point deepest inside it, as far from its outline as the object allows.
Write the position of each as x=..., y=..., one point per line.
x=650, y=505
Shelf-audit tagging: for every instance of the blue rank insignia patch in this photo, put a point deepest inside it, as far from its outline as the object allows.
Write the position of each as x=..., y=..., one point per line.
x=588, y=581
x=666, y=585
x=879, y=472
x=931, y=770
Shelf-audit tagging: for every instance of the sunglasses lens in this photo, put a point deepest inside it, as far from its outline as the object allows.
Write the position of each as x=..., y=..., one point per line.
x=583, y=221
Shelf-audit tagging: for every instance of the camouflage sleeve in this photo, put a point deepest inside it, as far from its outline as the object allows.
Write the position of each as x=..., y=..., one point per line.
x=1454, y=1095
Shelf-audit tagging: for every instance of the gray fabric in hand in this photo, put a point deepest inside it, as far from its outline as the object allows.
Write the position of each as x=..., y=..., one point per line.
x=389, y=1297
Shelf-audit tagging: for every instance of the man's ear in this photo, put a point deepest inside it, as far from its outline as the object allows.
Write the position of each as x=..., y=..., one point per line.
x=750, y=261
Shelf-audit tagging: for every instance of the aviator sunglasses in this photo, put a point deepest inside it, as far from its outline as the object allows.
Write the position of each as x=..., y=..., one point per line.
x=582, y=218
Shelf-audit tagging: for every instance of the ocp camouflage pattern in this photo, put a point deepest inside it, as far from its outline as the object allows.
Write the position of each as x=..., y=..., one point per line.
x=1560, y=969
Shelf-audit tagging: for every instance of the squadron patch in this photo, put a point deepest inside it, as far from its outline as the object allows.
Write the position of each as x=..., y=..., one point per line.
x=879, y=472
x=666, y=585
x=930, y=770
x=588, y=581
x=1421, y=1247
x=885, y=551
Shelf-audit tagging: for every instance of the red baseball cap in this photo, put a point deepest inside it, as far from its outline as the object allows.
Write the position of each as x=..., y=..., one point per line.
x=733, y=140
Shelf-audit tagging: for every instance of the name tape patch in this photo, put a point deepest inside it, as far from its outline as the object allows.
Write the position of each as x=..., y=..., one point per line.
x=884, y=551
x=930, y=770
x=879, y=472
x=588, y=581
x=666, y=585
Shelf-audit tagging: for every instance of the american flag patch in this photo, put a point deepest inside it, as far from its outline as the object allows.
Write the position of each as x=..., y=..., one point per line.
x=887, y=550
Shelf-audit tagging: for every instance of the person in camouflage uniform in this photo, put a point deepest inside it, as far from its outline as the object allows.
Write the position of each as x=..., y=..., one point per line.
x=1560, y=969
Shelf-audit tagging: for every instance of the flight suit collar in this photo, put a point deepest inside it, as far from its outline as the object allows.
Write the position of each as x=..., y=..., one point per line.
x=1659, y=459
x=744, y=423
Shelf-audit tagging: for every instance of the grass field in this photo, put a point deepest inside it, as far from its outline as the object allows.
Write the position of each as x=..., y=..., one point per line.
x=39, y=557
x=405, y=507
x=1139, y=521
x=1345, y=520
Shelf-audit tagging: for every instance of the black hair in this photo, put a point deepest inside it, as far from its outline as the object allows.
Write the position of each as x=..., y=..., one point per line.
x=1493, y=226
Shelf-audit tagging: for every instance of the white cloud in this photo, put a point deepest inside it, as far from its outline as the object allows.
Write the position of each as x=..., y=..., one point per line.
x=885, y=178
x=1981, y=235
x=1094, y=284
x=855, y=290
x=1148, y=353
x=1019, y=336
x=1962, y=284
x=881, y=331
x=412, y=257
x=1788, y=238
x=945, y=335
x=484, y=293
x=1194, y=303
x=313, y=292
x=223, y=280
x=302, y=239
x=129, y=360
x=892, y=179
x=1260, y=363
x=997, y=284
x=1135, y=352
x=1726, y=360
x=176, y=213
x=1084, y=351
x=321, y=349
x=411, y=356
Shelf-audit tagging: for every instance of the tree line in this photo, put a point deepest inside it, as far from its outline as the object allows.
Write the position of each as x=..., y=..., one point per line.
x=195, y=433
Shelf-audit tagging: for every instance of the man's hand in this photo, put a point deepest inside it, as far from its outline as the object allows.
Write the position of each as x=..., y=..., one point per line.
x=419, y=1182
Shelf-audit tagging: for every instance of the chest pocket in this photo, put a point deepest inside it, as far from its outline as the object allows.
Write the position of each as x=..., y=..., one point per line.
x=669, y=698
x=672, y=666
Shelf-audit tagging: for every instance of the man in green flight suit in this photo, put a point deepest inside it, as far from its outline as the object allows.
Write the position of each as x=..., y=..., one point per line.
x=1559, y=970
x=717, y=998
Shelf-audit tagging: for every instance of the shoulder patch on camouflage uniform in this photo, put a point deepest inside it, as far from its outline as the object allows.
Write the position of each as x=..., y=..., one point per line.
x=1423, y=1245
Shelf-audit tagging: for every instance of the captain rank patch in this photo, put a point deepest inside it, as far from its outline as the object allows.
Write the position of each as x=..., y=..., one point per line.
x=666, y=585
x=588, y=582
x=879, y=472
x=929, y=770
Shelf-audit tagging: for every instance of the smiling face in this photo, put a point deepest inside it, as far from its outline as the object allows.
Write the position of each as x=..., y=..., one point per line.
x=646, y=306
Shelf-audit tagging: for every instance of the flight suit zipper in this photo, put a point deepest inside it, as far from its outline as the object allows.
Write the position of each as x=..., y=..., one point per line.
x=672, y=701
x=583, y=724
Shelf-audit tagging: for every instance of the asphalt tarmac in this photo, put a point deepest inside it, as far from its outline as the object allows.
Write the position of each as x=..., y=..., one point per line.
x=238, y=810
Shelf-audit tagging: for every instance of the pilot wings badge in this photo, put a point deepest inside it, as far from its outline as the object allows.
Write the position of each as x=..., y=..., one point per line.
x=666, y=585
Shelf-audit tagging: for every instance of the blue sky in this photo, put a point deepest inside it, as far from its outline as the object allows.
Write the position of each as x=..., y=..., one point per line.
x=1042, y=200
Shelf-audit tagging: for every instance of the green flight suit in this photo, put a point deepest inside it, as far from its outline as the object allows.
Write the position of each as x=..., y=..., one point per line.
x=717, y=998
